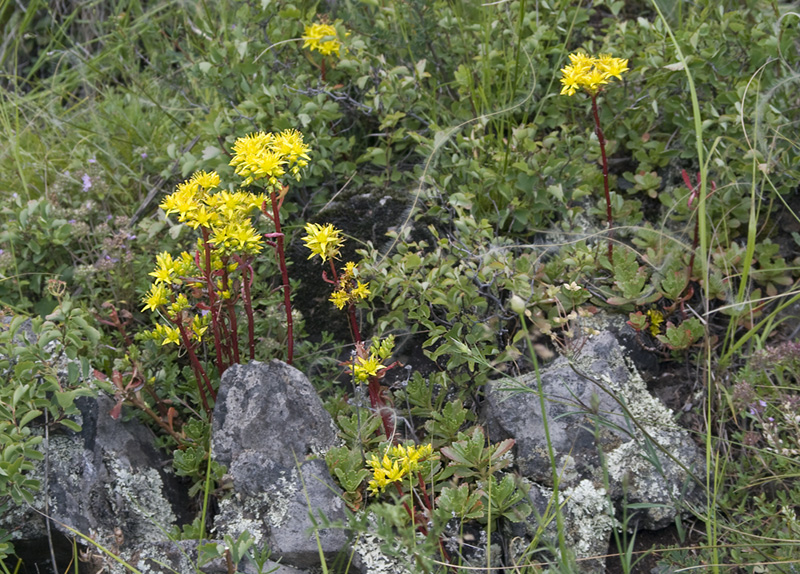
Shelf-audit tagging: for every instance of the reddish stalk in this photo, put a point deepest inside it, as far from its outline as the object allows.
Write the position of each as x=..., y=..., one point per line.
x=601, y=138
x=212, y=303
x=199, y=372
x=247, y=280
x=233, y=331
x=351, y=312
x=279, y=247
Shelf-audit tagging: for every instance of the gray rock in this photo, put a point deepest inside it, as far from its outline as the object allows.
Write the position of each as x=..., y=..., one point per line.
x=107, y=482
x=271, y=431
x=183, y=556
x=582, y=394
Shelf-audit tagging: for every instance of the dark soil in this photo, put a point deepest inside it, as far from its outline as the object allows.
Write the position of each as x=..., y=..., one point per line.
x=647, y=551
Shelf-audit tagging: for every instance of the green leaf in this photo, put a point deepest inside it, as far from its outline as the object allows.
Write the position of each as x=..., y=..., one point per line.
x=71, y=425
x=18, y=393
x=29, y=416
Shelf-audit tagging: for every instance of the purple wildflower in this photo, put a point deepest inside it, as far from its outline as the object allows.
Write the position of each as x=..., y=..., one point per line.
x=87, y=182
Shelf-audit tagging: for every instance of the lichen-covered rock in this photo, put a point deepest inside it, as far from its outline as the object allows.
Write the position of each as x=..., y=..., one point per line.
x=169, y=557
x=271, y=431
x=648, y=458
x=107, y=482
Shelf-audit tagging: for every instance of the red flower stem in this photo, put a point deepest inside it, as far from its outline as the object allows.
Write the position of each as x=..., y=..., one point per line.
x=199, y=373
x=212, y=302
x=233, y=332
x=335, y=274
x=351, y=311
x=425, y=498
x=600, y=138
x=287, y=300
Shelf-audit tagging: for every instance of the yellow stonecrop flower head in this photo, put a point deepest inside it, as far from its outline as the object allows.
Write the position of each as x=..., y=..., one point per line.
x=350, y=289
x=165, y=335
x=224, y=214
x=206, y=180
x=370, y=364
x=590, y=73
x=398, y=462
x=656, y=320
x=365, y=369
x=322, y=38
x=156, y=297
x=267, y=156
x=323, y=240
x=165, y=268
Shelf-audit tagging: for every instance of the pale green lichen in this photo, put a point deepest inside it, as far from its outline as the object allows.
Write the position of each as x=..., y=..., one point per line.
x=590, y=523
x=373, y=559
x=140, y=493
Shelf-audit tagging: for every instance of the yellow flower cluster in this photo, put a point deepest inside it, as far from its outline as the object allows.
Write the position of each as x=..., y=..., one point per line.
x=656, y=319
x=166, y=334
x=265, y=155
x=398, y=462
x=322, y=38
x=371, y=364
x=323, y=240
x=350, y=289
x=225, y=214
x=590, y=73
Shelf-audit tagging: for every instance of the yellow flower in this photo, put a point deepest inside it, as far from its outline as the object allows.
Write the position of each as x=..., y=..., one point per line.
x=206, y=180
x=183, y=201
x=181, y=303
x=171, y=335
x=165, y=268
x=385, y=472
x=322, y=38
x=571, y=78
x=361, y=291
x=340, y=298
x=201, y=217
x=267, y=155
x=612, y=66
x=323, y=240
x=247, y=152
x=269, y=164
x=581, y=62
x=590, y=73
x=200, y=326
x=656, y=319
x=244, y=239
x=157, y=296
x=593, y=79
x=289, y=143
x=364, y=369
x=397, y=462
